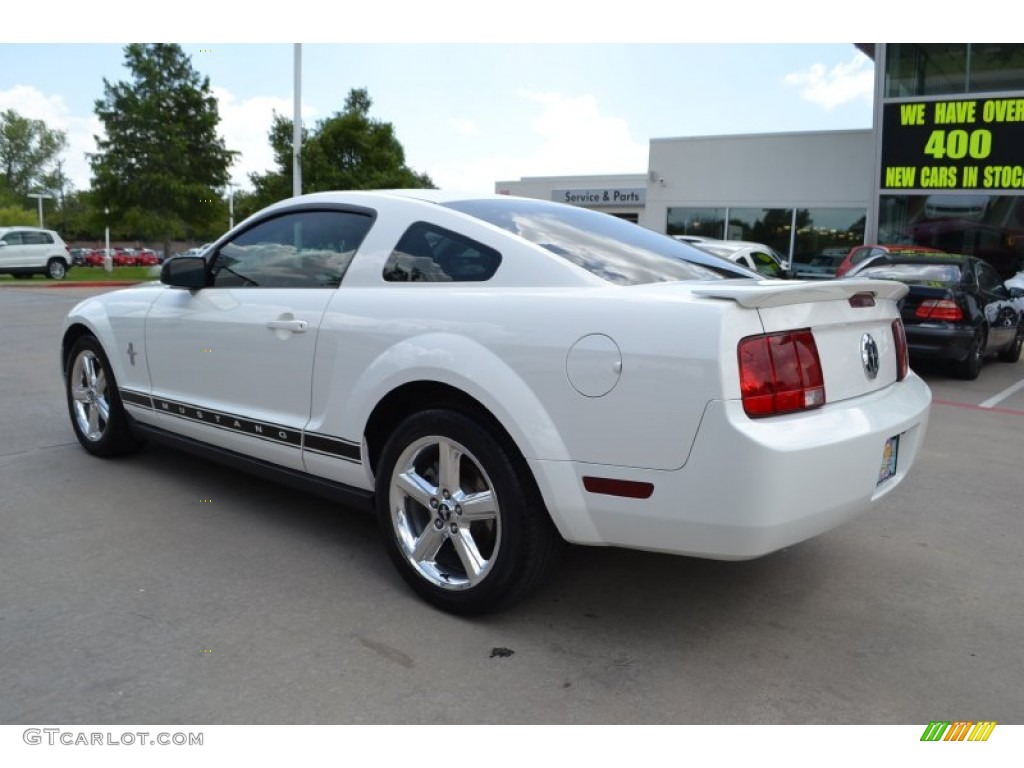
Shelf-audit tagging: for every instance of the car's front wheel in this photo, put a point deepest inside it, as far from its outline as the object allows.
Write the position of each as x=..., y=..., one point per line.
x=56, y=269
x=462, y=518
x=94, y=403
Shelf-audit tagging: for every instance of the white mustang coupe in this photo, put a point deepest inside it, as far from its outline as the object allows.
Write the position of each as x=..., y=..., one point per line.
x=498, y=375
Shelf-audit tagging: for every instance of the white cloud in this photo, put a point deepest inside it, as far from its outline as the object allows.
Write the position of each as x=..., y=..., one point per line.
x=245, y=126
x=33, y=103
x=851, y=81
x=572, y=137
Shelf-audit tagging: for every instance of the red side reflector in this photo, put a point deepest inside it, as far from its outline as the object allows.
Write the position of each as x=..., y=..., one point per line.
x=611, y=487
x=899, y=335
x=780, y=373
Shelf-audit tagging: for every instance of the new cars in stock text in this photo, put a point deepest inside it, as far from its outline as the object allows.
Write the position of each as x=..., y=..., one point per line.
x=496, y=376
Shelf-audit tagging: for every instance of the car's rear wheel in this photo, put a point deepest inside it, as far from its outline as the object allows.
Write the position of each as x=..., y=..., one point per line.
x=56, y=269
x=94, y=403
x=1011, y=352
x=463, y=521
x=970, y=366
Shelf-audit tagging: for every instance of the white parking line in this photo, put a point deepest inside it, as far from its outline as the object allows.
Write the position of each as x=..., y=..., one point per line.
x=995, y=400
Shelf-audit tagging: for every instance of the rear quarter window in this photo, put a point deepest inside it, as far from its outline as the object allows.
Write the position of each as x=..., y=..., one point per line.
x=431, y=254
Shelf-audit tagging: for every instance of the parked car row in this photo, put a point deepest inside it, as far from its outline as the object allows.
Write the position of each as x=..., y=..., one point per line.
x=958, y=310
x=120, y=257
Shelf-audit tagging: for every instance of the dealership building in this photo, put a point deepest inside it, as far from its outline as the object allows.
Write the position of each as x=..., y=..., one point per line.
x=942, y=166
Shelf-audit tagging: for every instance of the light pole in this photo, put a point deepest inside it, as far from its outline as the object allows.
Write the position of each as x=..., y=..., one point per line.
x=297, y=126
x=40, y=197
x=108, y=261
x=231, y=205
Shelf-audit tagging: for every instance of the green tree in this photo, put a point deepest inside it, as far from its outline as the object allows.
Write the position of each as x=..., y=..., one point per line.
x=348, y=150
x=29, y=157
x=16, y=216
x=161, y=165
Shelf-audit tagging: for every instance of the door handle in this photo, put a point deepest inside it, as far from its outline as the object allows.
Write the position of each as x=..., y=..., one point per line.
x=295, y=326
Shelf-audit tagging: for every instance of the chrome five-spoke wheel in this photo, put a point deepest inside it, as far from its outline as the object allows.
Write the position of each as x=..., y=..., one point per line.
x=94, y=404
x=460, y=512
x=90, y=405
x=445, y=513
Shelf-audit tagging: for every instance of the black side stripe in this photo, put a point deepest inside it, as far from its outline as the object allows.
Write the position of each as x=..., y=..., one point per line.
x=136, y=398
x=321, y=444
x=332, y=446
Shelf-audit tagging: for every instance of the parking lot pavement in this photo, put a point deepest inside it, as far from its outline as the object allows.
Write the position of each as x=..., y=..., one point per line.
x=162, y=589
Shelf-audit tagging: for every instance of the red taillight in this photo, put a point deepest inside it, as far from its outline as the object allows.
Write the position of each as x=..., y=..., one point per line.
x=939, y=309
x=902, y=355
x=780, y=373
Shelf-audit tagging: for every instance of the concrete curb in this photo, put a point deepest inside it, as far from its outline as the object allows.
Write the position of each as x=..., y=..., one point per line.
x=66, y=284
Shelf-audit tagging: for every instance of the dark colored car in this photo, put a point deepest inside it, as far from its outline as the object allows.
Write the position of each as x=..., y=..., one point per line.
x=957, y=309
x=858, y=253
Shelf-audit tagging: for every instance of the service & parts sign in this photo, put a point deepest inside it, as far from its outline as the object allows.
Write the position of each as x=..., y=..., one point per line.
x=962, y=144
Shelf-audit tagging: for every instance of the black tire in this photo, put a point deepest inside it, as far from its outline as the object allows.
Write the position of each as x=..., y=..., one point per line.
x=480, y=545
x=1011, y=352
x=97, y=414
x=970, y=366
x=56, y=269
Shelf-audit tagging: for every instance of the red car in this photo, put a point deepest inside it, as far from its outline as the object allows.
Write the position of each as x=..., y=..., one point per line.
x=861, y=252
x=93, y=258
x=124, y=258
x=146, y=258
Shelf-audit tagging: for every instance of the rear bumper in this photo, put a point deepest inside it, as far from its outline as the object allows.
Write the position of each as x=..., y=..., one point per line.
x=752, y=487
x=936, y=342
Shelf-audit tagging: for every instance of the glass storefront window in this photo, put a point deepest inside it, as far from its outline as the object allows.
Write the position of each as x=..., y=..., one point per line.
x=996, y=67
x=990, y=227
x=918, y=69
x=768, y=226
x=828, y=233
x=706, y=222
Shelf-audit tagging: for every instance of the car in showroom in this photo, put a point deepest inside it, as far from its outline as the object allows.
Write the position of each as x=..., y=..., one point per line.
x=958, y=309
x=27, y=251
x=495, y=376
x=754, y=256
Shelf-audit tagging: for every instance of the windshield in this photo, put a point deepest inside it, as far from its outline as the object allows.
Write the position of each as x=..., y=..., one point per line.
x=616, y=250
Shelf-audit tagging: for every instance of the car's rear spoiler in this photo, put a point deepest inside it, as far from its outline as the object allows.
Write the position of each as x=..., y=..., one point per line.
x=781, y=293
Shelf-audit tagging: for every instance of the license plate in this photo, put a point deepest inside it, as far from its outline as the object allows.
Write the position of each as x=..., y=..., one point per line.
x=889, y=454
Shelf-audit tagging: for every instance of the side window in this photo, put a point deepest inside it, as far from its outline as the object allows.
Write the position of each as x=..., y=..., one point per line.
x=988, y=279
x=36, y=238
x=431, y=254
x=13, y=238
x=309, y=249
x=765, y=264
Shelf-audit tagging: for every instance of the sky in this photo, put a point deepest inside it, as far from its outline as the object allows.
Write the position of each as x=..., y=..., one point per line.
x=564, y=88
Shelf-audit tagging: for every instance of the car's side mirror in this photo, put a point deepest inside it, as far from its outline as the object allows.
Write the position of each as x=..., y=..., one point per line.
x=184, y=272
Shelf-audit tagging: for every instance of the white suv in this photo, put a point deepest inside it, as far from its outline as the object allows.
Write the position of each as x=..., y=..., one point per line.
x=27, y=251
